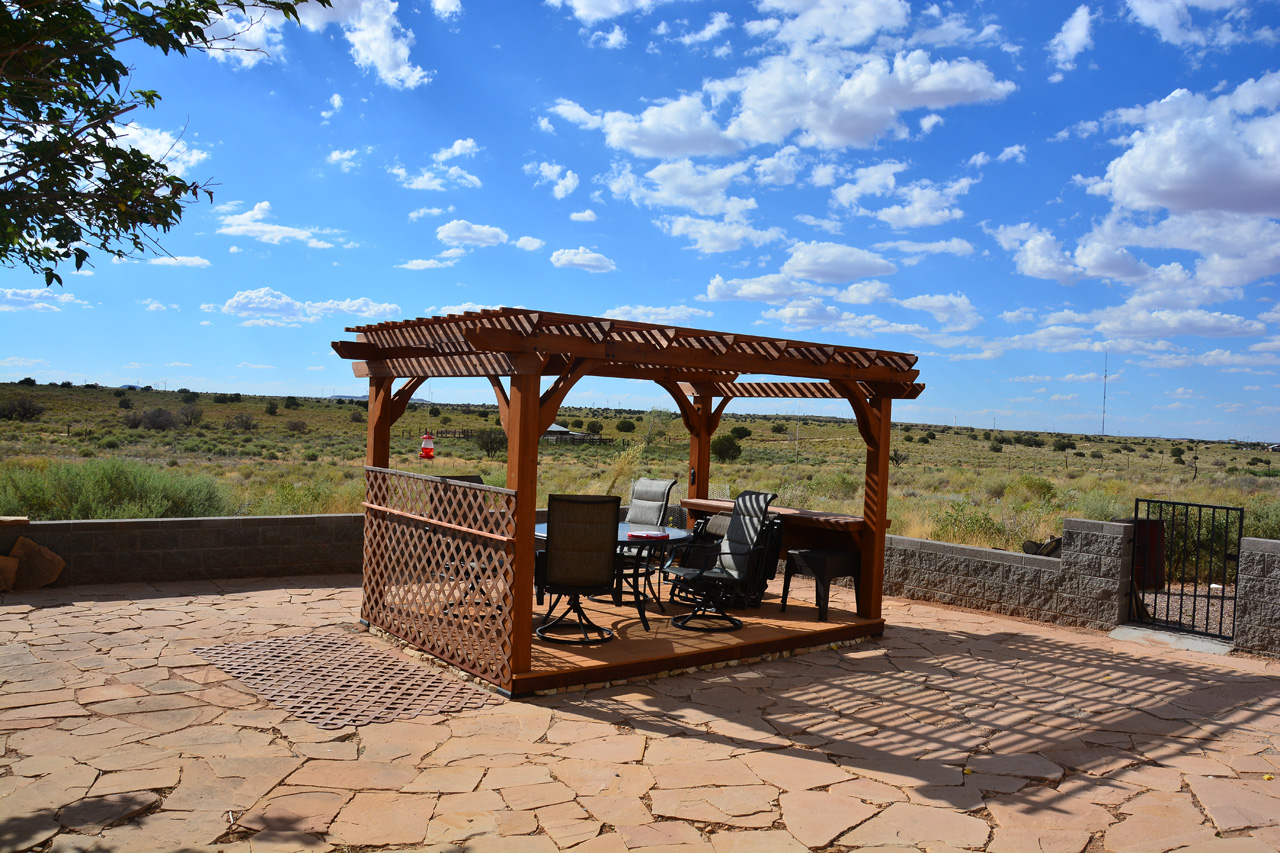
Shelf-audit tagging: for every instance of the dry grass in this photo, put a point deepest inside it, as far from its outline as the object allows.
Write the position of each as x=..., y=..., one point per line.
x=951, y=487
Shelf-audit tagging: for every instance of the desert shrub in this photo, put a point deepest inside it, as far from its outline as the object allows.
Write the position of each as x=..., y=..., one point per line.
x=1031, y=489
x=132, y=420
x=28, y=381
x=434, y=411
x=242, y=422
x=1098, y=454
x=445, y=420
x=126, y=403
x=966, y=524
x=995, y=447
x=357, y=417
x=111, y=488
x=160, y=420
x=310, y=456
x=924, y=439
x=931, y=435
x=491, y=441
x=22, y=409
x=740, y=432
x=562, y=422
x=626, y=425
x=292, y=403
x=595, y=427
x=576, y=423
x=908, y=438
x=725, y=448
x=273, y=408
x=778, y=428
x=190, y=414
x=295, y=425
x=109, y=443
x=189, y=396
x=119, y=392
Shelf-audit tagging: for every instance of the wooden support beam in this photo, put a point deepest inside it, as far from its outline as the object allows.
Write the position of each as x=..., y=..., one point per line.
x=400, y=399
x=554, y=396
x=504, y=404
x=522, y=477
x=378, y=442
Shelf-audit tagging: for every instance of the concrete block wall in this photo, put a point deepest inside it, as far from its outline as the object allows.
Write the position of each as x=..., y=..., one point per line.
x=1087, y=586
x=172, y=549
x=1258, y=597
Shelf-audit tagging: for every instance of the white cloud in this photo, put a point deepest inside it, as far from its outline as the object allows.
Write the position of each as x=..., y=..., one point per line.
x=179, y=364
x=834, y=263
x=877, y=180
x=267, y=307
x=179, y=261
x=563, y=181
x=1173, y=22
x=1018, y=315
x=701, y=189
x=415, y=215
x=781, y=169
x=1013, y=152
x=1064, y=397
x=719, y=23
x=154, y=305
x=460, y=148
x=335, y=104
x=1191, y=153
x=161, y=145
x=377, y=39
x=954, y=246
x=953, y=310
x=774, y=288
x=929, y=122
x=925, y=203
x=530, y=244
x=865, y=293
x=674, y=314
x=831, y=226
x=582, y=258
x=710, y=236
x=446, y=9
x=428, y=179
x=678, y=128
x=979, y=160
x=344, y=160
x=545, y=125
x=614, y=39
x=1072, y=39
x=252, y=366
x=583, y=216
x=833, y=100
x=252, y=223
x=426, y=264
x=1037, y=253
x=590, y=11
x=460, y=232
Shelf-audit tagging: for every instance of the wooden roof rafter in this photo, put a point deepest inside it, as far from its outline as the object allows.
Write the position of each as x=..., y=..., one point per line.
x=512, y=341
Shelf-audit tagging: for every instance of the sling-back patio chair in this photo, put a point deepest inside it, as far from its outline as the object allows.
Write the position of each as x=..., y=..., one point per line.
x=737, y=572
x=580, y=556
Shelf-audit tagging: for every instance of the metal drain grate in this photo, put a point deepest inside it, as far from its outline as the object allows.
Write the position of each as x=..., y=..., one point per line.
x=332, y=681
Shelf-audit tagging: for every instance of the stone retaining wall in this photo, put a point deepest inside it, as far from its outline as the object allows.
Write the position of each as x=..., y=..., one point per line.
x=1087, y=586
x=172, y=549
x=1258, y=596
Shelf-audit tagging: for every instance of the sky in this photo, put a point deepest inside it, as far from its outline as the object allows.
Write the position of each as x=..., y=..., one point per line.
x=1032, y=196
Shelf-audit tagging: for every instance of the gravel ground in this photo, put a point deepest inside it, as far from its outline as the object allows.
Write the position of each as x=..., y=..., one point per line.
x=1200, y=608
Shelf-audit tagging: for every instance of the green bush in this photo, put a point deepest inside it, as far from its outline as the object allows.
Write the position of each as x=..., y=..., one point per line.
x=740, y=432
x=126, y=403
x=625, y=425
x=778, y=428
x=725, y=448
x=273, y=408
x=292, y=403
x=595, y=427
x=110, y=488
x=109, y=444
x=576, y=423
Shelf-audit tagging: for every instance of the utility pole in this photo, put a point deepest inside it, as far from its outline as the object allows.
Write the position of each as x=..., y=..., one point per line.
x=1104, y=393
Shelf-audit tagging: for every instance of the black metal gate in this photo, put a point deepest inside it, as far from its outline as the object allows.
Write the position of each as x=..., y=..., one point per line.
x=1184, y=566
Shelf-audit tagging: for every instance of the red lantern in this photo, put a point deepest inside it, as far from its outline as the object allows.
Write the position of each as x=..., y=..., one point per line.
x=428, y=447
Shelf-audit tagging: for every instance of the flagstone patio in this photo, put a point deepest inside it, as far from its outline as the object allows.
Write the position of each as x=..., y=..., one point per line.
x=955, y=730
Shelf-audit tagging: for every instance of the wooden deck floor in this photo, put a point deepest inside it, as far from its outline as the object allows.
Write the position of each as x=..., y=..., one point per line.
x=636, y=652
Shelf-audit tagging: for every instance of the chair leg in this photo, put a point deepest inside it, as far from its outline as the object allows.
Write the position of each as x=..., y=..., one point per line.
x=707, y=608
x=583, y=622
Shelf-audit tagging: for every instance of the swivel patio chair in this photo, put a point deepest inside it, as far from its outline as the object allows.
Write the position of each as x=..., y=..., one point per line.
x=580, y=555
x=734, y=574
x=640, y=564
x=649, y=499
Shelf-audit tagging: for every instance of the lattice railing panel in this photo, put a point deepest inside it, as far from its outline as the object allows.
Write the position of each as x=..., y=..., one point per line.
x=439, y=568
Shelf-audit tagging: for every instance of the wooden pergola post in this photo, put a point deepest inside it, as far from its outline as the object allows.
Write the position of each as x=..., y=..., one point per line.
x=521, y=422
x=377, y=452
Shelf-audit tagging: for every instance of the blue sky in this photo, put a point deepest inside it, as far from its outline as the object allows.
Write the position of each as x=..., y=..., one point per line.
x=1020, y=192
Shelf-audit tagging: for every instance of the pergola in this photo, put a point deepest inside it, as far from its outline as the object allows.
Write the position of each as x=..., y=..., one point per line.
x=699, y=369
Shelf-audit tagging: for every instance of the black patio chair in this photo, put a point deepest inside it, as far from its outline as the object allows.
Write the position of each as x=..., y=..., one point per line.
x=582, y=544
x=735, y=574
x=638, y=565
x=649, y=499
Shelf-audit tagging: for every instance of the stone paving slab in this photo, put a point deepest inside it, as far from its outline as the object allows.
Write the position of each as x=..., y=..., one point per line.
x=955, y=731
